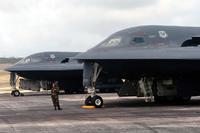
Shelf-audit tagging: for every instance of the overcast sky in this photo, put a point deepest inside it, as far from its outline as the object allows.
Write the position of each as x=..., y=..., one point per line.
x=30, y=26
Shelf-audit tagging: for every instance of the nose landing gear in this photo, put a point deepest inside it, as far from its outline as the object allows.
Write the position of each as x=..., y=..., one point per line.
x=15, y=93
x=91, y=73
x=96, y=101
x=13, y=81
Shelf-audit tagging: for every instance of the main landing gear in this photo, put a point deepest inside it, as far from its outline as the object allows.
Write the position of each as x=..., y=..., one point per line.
x=91, y=73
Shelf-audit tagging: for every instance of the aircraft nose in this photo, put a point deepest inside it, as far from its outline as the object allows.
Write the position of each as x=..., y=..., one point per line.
x=10, y=68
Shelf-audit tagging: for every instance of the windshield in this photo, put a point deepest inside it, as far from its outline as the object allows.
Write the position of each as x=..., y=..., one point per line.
x=39, y=59
x=128, y=39
x=112, y=42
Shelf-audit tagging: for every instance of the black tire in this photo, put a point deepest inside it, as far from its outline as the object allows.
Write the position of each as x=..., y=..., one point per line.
x=170, y=99
x=16, y=93
x=66, y=91
x=12, y=93
x=88, y=101
x=159, y=99
x=97, y=101
x=183, y=99
x=186, y=98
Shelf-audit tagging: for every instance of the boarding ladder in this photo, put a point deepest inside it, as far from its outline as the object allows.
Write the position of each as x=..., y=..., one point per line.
x=146, y=87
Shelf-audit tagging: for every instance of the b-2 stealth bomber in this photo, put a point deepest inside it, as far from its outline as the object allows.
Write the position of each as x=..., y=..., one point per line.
x=40, y=69
x=161, y=63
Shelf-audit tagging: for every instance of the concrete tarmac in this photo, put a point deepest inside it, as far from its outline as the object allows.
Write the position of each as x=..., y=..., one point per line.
x=34, y=113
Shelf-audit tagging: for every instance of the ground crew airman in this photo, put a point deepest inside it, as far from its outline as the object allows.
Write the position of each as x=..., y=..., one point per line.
x=54, y=95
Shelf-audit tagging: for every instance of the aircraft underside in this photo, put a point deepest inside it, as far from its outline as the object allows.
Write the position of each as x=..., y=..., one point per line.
x=134, y=68
x=51, y=75
x=156, y=80
x=69, y=81
x=68, y=86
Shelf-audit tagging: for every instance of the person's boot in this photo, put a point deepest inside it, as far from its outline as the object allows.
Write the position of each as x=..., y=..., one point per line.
x=59, y=108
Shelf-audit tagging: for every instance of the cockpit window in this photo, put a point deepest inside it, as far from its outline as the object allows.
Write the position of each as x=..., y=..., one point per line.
x=27, y=60
x=137, y=40
x=35, y=60
x=38, y=59
x=112, y=42
x=30, y=60
x=124, y=39
x=47, y=57
x=65, y=60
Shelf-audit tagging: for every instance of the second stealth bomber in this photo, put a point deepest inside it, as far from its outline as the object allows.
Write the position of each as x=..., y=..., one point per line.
x=41, y=68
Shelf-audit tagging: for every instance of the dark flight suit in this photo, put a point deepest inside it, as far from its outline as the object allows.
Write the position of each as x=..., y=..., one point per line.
x=54, y=95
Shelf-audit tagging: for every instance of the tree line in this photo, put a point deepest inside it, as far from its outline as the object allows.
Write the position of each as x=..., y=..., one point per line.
x=10, y=60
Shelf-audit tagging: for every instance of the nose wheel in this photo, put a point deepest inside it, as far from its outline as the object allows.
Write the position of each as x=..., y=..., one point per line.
x=96, y=101
x=91, y=73
x=15, y=93
x=88, y=101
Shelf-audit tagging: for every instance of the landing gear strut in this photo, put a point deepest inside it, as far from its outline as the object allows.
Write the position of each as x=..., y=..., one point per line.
x=146, y=85
x=91, y=73
x=13, y=81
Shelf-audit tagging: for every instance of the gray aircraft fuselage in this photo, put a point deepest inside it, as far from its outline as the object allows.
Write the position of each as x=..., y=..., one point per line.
x=39, y=69
x=160, y=52
x=148, y=50
x=48, y=66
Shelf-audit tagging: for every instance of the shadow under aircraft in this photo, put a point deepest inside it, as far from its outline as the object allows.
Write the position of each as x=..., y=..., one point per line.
x=39, y=70
x=160, y=63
